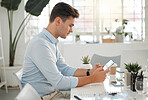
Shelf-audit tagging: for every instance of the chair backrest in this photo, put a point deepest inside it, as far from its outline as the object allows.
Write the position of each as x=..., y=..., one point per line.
x=104, y=59
x=18, y=76
x=132, y=56
x=28, y=93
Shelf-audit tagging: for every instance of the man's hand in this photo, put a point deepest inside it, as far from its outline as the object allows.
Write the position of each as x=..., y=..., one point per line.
x=96, y=66
x=99, y=75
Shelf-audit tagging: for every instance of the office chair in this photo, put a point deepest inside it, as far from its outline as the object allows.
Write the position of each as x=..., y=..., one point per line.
x=18, y=76
x=28, y=93
x=104, y=59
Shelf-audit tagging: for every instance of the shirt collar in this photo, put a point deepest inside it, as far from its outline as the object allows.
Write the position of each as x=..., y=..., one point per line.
x=50, y=36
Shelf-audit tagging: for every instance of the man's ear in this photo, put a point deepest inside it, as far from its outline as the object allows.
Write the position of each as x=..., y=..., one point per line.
x=58, y=21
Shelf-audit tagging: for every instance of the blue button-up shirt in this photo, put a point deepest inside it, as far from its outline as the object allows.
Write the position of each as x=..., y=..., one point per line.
x=44, y=67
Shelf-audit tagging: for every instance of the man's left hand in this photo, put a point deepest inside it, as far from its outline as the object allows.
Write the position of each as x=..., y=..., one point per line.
x=96, y=66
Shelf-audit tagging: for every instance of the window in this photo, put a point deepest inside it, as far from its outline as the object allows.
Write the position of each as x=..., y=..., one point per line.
x=36, y=24
x=95, y=15
x=84, y=25
x=132, y=10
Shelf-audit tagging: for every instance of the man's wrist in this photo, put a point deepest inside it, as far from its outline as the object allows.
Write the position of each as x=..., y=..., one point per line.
x=87, y=72
x=90, y=71
x=91, y=78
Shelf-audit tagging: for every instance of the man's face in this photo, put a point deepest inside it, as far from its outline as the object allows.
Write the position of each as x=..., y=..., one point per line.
x=66, y=27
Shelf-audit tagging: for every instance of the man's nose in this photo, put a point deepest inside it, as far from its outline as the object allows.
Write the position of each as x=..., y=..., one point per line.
x=71, y=30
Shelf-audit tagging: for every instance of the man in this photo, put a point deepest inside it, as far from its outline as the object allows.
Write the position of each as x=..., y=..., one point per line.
x=45, y=68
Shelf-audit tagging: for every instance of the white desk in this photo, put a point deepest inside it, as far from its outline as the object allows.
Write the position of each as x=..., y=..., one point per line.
x=99, y=91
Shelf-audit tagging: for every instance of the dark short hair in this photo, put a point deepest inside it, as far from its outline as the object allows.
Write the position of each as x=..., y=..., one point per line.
x=64, y=11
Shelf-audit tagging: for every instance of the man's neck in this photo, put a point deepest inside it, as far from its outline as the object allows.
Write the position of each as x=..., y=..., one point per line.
x=51, y=29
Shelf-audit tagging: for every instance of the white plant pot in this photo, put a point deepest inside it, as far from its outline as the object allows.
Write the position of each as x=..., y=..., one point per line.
x=127, y=77
x=10, y=78
x=77, y=39
x=119, y=38
x=86, y=66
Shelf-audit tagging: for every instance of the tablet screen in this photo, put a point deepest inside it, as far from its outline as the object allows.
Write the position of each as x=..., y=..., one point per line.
x=108, y=65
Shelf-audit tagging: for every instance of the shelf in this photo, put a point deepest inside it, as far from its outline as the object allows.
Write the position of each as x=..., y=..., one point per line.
x=2, y=83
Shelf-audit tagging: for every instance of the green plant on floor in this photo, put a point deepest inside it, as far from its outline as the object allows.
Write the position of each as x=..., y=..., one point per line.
x=85, y=60
x=132, y=67
x=33, y=7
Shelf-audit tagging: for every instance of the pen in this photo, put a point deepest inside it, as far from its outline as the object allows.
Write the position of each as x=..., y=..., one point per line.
x=78, y=98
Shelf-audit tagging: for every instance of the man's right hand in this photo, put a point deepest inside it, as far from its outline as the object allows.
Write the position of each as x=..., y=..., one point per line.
x=99, y=75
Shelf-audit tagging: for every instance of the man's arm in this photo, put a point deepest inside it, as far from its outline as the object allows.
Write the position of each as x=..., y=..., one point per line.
x=82, y=72
x=97, y=76
x=44, y=57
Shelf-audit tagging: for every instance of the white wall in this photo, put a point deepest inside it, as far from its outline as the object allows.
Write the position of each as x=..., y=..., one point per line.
x=146, y=21
x=74, y=52
x=18, y=17
x=69, y=51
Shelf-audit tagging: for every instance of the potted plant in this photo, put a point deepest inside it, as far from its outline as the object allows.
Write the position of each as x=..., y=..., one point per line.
x=86, y=64
x=77, y=37
x=33, y=7
x=133, y=69
x=120, y=31
x=107, y=36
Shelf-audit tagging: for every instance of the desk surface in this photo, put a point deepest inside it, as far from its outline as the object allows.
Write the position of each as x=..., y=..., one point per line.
x=100, y=91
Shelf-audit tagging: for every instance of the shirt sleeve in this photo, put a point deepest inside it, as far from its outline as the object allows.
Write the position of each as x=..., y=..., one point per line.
x=44, y=58
x=63, y=67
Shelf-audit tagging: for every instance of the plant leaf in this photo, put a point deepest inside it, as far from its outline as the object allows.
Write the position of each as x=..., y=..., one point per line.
x=120, y=33
x=126, y=34
x=116, y=20
x=85, y=60
x=125, y=23
x=123, y=27
x=132, y=67
x=35, y=7
x=10, y=4
x=131, y=36
x=106, y=29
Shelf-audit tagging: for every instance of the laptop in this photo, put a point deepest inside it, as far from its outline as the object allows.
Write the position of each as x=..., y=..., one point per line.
x=132, y=56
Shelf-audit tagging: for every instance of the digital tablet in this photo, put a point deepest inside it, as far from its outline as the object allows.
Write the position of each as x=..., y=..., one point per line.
x=108, y=65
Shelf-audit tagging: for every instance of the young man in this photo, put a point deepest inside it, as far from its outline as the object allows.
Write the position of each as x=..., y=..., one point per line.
x=45, y=68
